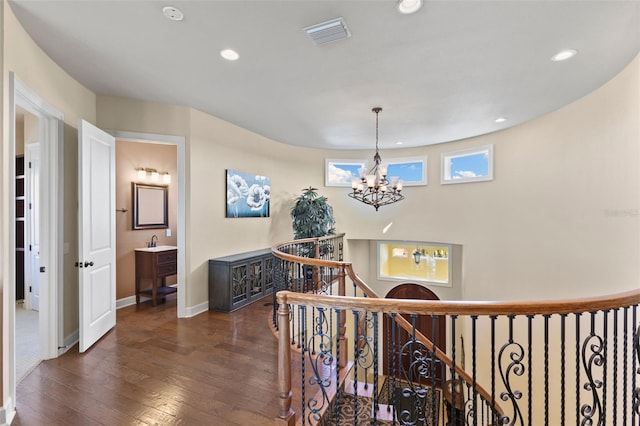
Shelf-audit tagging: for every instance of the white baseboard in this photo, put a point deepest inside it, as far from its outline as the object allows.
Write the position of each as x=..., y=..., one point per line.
x=69, y=341
x=124, y=302
x=192, y=311
x=7, y=413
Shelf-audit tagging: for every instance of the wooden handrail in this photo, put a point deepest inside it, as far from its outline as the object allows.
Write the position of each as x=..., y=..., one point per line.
x=374, y=303
x=444, y=307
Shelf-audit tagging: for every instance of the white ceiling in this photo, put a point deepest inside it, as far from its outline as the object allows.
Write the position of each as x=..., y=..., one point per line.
x=445, y=73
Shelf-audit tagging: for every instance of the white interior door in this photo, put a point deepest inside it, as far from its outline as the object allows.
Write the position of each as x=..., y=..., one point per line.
x=97, y=260
x=32, y=263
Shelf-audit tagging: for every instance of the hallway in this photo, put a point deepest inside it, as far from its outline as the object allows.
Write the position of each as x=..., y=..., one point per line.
x=215, y=368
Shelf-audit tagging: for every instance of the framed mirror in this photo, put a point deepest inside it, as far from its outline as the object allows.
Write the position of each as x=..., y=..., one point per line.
x=150, y=206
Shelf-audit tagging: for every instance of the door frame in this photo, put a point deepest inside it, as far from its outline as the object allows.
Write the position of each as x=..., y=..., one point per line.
x=179, y=142
x=51, y=127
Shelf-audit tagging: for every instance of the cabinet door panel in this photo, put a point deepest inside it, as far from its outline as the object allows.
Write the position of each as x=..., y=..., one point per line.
x=269, y=269
x=238, y=284
x=255, y=269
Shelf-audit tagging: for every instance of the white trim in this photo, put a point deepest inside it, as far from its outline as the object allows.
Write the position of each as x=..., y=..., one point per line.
x=192, y=311
x=126, y=301
x=179, y=141
x=7, y=412
x=51, y=231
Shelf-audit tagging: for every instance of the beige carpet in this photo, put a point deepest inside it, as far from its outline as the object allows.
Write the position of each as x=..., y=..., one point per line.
x=27, y=341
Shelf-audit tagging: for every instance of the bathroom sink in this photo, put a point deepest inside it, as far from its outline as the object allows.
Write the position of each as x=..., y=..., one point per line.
x=157, y=248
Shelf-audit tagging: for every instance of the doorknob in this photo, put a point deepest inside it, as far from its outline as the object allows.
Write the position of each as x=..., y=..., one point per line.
x=88, y=264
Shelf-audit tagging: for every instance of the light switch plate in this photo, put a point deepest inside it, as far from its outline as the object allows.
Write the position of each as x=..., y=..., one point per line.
x=168, y=232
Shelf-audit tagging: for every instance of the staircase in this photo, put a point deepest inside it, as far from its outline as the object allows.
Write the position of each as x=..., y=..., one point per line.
x=552, y=362
x=418, y=406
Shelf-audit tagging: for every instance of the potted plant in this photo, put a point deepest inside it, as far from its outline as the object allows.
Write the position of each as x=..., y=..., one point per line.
x=312, y=215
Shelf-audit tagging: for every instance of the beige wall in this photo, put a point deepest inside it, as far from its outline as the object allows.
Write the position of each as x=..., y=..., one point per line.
x=129, y=157
x=559, y=219
x=19, y=54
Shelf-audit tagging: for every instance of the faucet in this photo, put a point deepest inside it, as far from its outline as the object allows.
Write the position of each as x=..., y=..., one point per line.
x=154, y=243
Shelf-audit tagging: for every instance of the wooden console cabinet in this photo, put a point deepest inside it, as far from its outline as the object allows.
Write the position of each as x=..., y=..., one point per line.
x=155, y=264
x=240, y=279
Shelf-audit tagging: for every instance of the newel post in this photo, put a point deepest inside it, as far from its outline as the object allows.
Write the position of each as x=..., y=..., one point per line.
x=286, y=416
x=342, y=323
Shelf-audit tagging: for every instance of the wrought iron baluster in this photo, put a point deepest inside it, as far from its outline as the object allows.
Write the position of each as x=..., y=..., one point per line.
x=474, y=408
x=616, y=312
x=321, y=364
x=605, y=327
x=493, y=319
x=577, y=315
x=510, y=364
x=563, y=318
x=375, y=367
x=356, y=354
x=530, y=374
x=546, y=369
x=625, y=372
x=434, y=363
x=338, y=354
x=394, y=367
x=453, y=408
x=302, y=366
x=593, y=344
x=636, y=359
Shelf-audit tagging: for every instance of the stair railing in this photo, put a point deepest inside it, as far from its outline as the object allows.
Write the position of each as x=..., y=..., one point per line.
x=541, y=371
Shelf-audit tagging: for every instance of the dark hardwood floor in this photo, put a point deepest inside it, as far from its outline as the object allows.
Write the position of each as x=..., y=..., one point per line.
x=154, y=369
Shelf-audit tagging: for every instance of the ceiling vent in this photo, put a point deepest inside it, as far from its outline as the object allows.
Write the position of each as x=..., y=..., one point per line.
x=328, y=31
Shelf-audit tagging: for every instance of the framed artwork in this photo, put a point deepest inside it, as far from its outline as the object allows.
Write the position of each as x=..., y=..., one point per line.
x=467, y=165
x=248, y=194
x=341, y=172
x=412, y=171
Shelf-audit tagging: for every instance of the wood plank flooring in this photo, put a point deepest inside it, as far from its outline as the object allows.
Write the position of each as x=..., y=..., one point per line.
x=154, y=369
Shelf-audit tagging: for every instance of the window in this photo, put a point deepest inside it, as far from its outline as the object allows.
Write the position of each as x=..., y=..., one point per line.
x=468, y=165
x=414, y=261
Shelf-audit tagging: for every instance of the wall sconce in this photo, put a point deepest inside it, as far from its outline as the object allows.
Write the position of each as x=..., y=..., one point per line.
x=153, y=174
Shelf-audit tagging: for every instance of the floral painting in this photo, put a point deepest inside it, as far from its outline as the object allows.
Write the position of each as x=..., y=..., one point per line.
x=248, y=195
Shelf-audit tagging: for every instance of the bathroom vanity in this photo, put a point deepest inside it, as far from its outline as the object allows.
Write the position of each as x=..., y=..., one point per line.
x=153, y=266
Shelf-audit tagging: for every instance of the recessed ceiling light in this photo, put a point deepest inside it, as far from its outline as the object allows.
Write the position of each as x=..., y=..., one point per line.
x=173, y=13
x=229, y=54
x=398, y=143
x=501, y=119
x=563, y=55
x=407, y=7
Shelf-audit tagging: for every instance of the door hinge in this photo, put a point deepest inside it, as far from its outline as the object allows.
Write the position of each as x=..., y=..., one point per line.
x=29, y=247
x=42, y=269
x=29, y=164
x=30, y=289
x=29, y=206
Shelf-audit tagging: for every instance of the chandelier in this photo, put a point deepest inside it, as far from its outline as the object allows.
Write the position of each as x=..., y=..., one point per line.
x=374, y=187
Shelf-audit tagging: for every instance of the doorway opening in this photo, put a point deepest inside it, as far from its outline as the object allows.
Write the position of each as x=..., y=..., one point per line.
x=49, y=233
x=27, y=286
x=178, y=189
